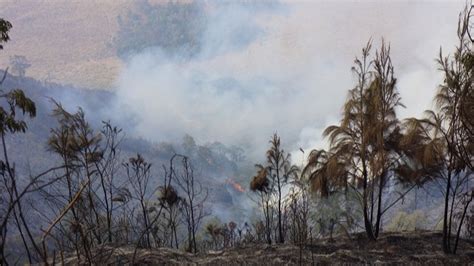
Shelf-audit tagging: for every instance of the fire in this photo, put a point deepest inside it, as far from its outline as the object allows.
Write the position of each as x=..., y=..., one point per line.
x=235, y=185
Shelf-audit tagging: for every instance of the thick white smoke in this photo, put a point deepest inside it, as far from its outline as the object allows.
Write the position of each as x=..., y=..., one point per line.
x=284, y=70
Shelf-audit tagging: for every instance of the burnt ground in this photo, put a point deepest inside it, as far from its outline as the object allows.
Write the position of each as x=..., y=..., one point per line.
x=404, y=248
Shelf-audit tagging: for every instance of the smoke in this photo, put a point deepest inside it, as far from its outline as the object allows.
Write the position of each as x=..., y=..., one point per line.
x=282, y=68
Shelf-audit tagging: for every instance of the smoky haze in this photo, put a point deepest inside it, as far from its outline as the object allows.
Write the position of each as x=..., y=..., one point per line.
x=281, y=68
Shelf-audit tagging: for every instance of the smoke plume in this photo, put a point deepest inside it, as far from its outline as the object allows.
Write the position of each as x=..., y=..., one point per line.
x=282, y=67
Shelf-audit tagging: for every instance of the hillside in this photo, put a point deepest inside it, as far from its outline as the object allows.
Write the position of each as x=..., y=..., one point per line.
x=67, y=42
x=392, y=248
x=62, y=40
x=236, y=132
x=218, y=172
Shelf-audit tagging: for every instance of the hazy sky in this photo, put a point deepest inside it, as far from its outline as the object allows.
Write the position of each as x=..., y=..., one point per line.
x=293, y=75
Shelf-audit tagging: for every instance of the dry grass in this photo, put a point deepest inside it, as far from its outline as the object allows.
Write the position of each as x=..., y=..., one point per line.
x=391, y=248
x=66, y=41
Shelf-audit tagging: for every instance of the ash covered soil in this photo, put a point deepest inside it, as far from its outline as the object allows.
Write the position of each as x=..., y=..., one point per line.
x=391, y=248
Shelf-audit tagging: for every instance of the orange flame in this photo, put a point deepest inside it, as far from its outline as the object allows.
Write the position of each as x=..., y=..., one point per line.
x=236, y=185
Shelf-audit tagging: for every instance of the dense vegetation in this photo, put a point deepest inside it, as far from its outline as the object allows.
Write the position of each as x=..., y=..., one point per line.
x=97, y=194
x=176, y=28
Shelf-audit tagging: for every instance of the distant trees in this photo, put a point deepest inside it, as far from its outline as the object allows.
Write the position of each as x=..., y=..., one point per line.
x=176, y=27
x=19, y=64
x=189, y=146
x=97, y=198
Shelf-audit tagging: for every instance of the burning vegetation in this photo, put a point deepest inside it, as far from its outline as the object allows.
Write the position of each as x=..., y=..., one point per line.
x=236, y=186
x=102, y=206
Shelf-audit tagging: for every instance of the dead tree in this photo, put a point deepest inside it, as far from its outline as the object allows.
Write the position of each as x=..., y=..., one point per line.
x=138, y=173
x=261, y=185
x=193, y=200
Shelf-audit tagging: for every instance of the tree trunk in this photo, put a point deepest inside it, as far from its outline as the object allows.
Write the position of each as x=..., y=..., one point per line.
x=280, y=229
x=379, y=207
x=461, y=222
x=269, y=232
x=367, y=223
x=446, y=247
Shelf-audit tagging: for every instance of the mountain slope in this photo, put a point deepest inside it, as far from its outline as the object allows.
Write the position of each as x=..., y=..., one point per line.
x=63, y=40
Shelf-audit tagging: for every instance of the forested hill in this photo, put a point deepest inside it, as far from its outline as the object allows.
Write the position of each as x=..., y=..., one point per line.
x=219, y=168
x=236, y=132
x=215, y=160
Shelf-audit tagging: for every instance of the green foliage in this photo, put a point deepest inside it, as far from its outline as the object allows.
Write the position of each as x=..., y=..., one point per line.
x=175, y=27
x=5, y=26
x=16, y=100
